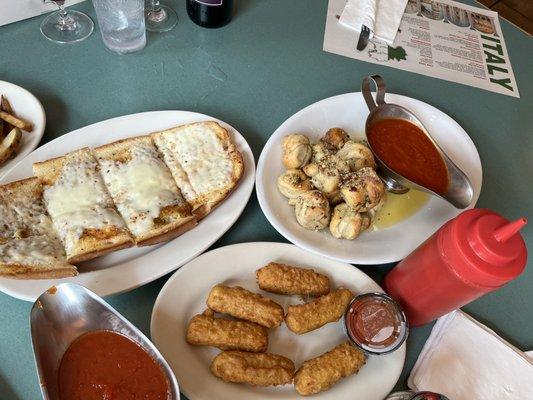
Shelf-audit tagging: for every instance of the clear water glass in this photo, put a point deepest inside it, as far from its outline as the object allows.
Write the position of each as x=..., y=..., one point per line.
x=121, y=24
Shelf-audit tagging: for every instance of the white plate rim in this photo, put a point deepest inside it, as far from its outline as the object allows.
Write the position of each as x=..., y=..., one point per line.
x=245, y=189
x=282, y=247
x=294, y=238
x=39, y=123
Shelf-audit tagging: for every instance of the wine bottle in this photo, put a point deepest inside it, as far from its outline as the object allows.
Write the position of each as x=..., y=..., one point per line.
x=210, y=13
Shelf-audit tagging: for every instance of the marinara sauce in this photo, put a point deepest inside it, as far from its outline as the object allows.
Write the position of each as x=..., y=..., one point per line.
x=105, y=365
x=404, y=148
x=375, y=323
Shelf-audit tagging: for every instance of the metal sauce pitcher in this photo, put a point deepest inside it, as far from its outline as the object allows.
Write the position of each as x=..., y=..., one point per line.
x=460, y=191
x=65, y=312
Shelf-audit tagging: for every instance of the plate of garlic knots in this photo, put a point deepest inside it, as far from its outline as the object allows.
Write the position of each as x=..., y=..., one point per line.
x=317, y=183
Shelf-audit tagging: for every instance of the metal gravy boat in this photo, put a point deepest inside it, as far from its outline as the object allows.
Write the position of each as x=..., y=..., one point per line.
x=460, y=191
x=67, y=311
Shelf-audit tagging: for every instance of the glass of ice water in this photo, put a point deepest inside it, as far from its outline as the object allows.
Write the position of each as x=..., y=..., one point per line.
x=121, y=24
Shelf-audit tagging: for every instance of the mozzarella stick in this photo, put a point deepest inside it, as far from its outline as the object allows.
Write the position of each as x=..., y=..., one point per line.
x=322, y=372
x=306, y=317
x=285, y=279
x=16, y=121
x=206, y=330
x=241, y=303
x=258, y=369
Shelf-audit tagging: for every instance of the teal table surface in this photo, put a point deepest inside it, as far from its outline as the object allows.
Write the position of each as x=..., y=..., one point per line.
x=254, y=73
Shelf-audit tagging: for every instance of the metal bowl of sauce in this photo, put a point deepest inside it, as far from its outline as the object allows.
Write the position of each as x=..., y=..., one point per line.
x=84, y=349
x=375, y=323
x=406, y=154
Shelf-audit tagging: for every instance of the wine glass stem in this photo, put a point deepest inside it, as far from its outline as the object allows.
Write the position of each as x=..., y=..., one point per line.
x=157, y=14
x=66, y=23
x=156, y=6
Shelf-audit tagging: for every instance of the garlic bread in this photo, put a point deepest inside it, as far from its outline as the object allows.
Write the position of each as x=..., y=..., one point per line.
x=29, y=245
x=204, y=163
x=80, y=207
x=143, y=190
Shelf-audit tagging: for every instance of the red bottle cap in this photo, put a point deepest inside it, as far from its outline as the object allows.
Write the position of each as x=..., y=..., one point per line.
x=484, y=248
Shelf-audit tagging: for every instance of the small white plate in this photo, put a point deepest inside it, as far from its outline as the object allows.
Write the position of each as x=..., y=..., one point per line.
x=130, y=268
x=28, y=107
x=185, y=293
x=349, y=111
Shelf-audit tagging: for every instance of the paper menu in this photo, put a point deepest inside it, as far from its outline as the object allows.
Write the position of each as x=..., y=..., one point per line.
x=443, y=39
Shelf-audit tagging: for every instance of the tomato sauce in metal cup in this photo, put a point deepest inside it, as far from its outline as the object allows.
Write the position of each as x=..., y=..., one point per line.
x=375, y=323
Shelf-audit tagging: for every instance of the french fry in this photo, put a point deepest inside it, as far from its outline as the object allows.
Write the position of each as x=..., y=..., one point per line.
x=5, y=105
x=16, y=121
x=9, y=146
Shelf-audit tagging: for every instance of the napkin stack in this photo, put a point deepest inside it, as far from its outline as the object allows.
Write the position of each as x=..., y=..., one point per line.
x=382, y=17
x=465, y=360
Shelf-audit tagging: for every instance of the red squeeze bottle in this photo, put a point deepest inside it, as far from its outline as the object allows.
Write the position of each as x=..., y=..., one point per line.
x=471, y=255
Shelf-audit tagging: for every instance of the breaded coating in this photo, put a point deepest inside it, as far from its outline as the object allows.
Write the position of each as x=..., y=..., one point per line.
x=241, y=303
x=306, y=317
x=226, y=334
x=258, y=369
x=322, y=372
x=285, y=279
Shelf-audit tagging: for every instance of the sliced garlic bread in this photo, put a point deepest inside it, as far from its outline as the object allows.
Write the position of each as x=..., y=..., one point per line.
x=143, y=190
x=81, y=209
x=204, y=163
x=22, y=212
x=34, y=257
x=29, y=245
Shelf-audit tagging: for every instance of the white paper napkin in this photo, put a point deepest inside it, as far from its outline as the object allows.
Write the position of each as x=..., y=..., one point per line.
x=383, y=17
x=17, y=10
x=465, y=360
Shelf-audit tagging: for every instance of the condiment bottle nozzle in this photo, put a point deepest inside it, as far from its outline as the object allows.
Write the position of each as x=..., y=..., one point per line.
x=510, y=229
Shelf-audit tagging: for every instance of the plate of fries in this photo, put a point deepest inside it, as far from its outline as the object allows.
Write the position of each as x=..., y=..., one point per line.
x=22, y=122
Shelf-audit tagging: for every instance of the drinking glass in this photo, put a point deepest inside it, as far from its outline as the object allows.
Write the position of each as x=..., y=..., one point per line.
x=121, y=24
x=66, y=26
x=160, y=18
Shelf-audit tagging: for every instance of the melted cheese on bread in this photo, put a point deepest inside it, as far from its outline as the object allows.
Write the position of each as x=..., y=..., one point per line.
x=197, y=159
x=78, y=201
x=29, y=245
x=32, y=251
x=140, y=187
x=22, y=213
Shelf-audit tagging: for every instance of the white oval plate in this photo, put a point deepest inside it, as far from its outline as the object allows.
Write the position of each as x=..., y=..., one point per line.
x=130, y=268
x=28, y=107
x=349, y=112
x=185, y=293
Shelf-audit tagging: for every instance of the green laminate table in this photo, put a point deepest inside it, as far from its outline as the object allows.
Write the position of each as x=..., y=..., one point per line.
x=254, y=73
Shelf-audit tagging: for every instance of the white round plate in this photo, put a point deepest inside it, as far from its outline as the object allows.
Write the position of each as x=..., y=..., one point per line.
x=28, y=107
x=130, y=268
x=185, y=293
x=349, y=111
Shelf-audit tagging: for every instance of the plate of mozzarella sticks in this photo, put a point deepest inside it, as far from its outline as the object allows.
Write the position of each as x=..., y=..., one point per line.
x=265, y=320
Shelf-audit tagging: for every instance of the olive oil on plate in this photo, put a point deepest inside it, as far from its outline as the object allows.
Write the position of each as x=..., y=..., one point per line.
x=398, y=207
